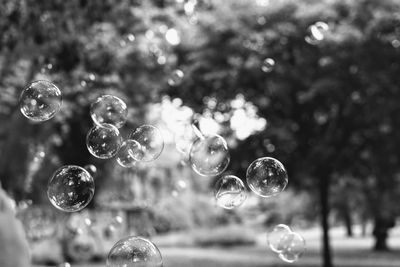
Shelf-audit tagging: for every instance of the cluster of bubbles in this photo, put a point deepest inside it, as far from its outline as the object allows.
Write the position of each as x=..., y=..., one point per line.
x=265, y=176
x=289, y=245
x=104, y=141
x=71, y=188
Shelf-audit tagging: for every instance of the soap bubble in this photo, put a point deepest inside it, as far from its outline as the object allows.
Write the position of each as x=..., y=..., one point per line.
x=134, y=252
x=71, y=188
x=151, y=141
x=129, y=153
x=40, y=101
x=293, y=246
x=316, y=32
x=209, y=156
x=268, y=65
x=109, y=109
x=91, y=169
x=266, y=177
x=276, y=236
x=176, y=78
x=230, y=192
x=103, y=141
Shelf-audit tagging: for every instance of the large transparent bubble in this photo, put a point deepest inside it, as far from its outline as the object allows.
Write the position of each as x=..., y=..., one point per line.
x=276, y=236
x=230, y=192
x=109, y=109
x=130, y=152
x=71, y=188
x=209, y=156
x=103, y=141
x=134, y=252
x=40, y=101
x=150, y=140
x=266, y=177
x=293, y=247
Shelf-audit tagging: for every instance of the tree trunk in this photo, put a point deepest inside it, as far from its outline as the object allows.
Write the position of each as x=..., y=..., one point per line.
x=382, y=225
x=324, y=198
x=348, y=222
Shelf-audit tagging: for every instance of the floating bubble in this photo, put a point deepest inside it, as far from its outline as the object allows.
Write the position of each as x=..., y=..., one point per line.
x=134, y=252
x=130, y=152
x=103, y=141
x=40, y=101
x=71, y=188
x=268, y=65
x=91, y=169
x=150, y=140
x=266, y=177
x=209, y=156
x=316, y=33
x=176, y=78
x=109, y=109
x=65, y=264
x=230, y=192
x=276, y=236
x=293, y=247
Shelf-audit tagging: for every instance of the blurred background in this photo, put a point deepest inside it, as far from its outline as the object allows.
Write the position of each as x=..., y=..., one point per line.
x=328, y=110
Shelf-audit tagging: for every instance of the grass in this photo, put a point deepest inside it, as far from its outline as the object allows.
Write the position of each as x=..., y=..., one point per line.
x=348, y=252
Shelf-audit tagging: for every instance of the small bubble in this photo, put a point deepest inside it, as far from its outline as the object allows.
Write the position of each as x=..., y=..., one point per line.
x=230, y=192
x=316, y=33
x=268, y=65
x=176, y=78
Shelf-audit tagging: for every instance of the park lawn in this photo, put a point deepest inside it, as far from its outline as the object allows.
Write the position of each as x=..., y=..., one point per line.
x=348, y=252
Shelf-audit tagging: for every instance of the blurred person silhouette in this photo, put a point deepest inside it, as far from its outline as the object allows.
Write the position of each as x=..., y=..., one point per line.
x=14, y=250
